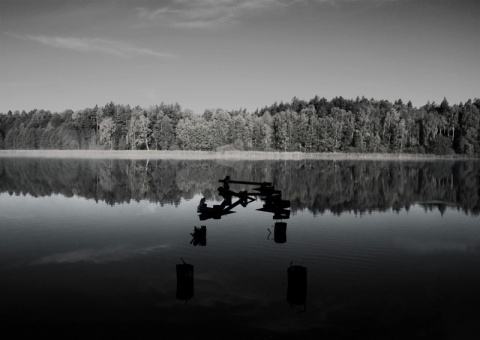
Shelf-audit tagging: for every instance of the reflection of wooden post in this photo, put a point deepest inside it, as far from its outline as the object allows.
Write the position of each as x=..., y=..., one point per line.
x=199, y=236
x=280, y=232
x=297, y=286
x=184, y=281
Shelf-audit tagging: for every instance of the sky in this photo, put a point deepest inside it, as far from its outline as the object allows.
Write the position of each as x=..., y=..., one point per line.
x=232, y=54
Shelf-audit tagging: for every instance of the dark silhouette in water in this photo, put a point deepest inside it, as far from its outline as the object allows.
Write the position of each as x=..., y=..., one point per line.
x=217, y=211
x=279, y=232
x=297, y=286
x=273, y=202
x=272, y=198
x=199, y=236
x=185, y=281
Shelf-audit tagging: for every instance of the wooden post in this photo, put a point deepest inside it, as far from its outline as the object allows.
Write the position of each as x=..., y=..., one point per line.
x=185, y=281
x=297, y=286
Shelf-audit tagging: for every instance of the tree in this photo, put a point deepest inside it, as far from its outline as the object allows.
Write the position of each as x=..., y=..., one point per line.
x=442, y=146
x=444, y=108
x=138, y=130
x=469, y=125
x=221, y=128
x=194, y=134
x=98, y=117
x=107, y=129
x=184, y=133
x=266, y=122
x=162, y=132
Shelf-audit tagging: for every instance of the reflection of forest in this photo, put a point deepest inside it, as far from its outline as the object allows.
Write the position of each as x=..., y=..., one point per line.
x=338, y=186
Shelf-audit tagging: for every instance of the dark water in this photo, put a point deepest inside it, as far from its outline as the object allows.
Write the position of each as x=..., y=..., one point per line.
x=89, y=248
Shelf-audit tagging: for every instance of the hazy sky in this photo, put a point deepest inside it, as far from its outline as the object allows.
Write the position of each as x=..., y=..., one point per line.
x=73, y=54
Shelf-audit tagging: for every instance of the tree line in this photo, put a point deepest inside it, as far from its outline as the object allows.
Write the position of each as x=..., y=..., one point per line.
x=317, y=125
x=315, y=185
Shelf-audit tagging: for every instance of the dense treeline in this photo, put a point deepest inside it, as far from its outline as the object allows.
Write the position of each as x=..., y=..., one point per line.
x=317, y=125
x=337, y=186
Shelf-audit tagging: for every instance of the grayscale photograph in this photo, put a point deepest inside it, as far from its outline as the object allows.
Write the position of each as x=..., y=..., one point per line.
x=240, y=169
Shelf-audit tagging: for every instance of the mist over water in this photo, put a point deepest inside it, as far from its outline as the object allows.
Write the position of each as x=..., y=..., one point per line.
x=90, y=247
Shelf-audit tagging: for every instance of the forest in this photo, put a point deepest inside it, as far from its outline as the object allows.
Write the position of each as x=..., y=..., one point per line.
x=318, y=186
x=318, y=125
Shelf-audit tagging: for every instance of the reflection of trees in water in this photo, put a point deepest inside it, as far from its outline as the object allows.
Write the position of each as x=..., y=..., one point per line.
x=338, y=186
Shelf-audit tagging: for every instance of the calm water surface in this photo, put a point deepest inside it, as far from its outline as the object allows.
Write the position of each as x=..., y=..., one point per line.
x=89, y=248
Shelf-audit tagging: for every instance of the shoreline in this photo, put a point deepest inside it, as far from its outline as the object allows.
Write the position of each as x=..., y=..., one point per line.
x=231, y=155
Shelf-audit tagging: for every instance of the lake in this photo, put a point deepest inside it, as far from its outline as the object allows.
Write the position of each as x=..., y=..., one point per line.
x=89, y=248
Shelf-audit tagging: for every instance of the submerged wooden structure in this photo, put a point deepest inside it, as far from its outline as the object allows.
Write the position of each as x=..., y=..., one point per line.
x=272, y=198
